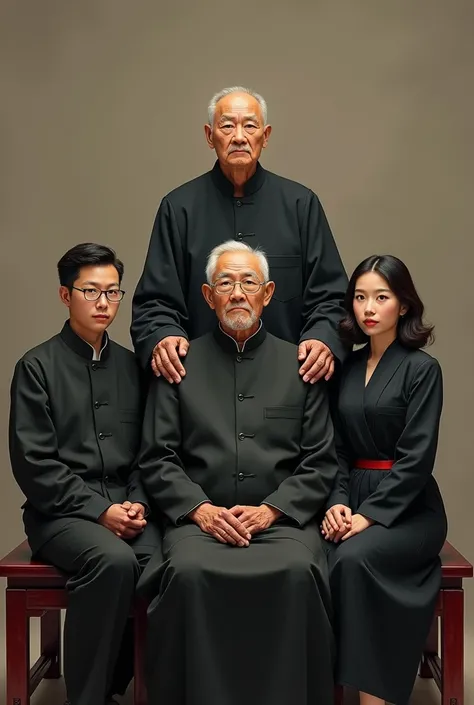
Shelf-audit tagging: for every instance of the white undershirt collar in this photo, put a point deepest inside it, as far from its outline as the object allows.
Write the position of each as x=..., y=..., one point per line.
x=240, y=347
x=96, y=356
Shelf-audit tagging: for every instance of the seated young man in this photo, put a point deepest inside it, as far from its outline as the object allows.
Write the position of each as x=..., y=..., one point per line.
x=240, y=459
x=75, y=427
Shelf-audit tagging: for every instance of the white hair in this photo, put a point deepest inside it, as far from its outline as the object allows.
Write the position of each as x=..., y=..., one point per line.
x=234, y=246
x=211, y=109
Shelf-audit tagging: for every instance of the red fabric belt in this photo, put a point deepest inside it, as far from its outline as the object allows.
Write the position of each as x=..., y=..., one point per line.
x=364, y=464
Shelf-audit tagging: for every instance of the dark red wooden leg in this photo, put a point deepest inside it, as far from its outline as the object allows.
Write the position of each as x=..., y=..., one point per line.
x=17, y=627
x=338, y=695
x=51, y=641
x=139, y=693
x=431, y=647
x=452, y=648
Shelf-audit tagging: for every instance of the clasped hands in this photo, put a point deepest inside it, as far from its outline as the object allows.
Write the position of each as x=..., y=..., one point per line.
x=125, y=520
x=339, y=524
x=234, y=526
x=316, y=358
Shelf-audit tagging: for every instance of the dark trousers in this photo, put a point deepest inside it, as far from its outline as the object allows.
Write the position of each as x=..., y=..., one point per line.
x=103, y=570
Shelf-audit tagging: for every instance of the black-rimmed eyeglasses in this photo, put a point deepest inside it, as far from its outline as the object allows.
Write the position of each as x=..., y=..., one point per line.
x=248, y=286
x=112, y=295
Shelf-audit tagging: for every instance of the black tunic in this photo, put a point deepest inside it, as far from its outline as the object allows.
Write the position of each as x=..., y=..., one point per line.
x=232, y=625
x=283, y=217
x=385, y=581
x=75, y=429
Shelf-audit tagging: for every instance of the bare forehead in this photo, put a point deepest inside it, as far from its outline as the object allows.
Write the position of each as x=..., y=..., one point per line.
x=372, y=281
x=238, y=263
x=104, y=275
x=238, y=104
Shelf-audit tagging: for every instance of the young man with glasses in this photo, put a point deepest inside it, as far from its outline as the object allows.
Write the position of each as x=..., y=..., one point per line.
x=75, y=427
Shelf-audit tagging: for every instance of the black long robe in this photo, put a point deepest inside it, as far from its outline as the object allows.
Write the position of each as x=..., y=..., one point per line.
x=385, y=581
x=283, y=217
x=234, y=625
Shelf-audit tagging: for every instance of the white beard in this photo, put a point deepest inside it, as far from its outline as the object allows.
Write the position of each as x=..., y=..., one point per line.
x=240, y=322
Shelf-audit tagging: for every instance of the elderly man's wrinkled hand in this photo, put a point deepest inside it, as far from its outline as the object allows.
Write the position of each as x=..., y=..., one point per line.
x=165, y=358
x=256, y=519
x=318, y=361
x=220, y=523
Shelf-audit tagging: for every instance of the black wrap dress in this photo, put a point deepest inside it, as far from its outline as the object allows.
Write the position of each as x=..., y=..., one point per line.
x=385, y=580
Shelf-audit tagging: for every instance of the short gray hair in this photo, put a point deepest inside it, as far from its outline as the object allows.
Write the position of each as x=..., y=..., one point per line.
x=211, y=109
x=234, y=246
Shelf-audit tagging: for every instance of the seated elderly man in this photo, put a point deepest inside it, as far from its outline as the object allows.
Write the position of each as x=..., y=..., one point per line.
x=239, y=457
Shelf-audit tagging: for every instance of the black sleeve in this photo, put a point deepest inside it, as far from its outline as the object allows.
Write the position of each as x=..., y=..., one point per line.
x=159, y=303
x=162, y=470
x=48, y=484
x=135, y=489
x=340, y=489
x=415, y=451
x=325, y=280
x=302, y=495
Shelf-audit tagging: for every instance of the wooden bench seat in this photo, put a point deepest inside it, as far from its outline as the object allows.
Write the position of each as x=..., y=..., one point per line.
x=35, y=589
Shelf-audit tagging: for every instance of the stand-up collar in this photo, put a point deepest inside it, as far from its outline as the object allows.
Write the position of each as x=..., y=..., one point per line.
x=230, y=345
x=251, y=186
x=80, y=346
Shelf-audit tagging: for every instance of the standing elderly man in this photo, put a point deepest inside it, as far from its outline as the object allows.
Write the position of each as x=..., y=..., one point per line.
x=241, y=200
x=240, y=460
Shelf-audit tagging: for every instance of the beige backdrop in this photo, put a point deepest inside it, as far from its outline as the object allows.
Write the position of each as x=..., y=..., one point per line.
x=102, y=104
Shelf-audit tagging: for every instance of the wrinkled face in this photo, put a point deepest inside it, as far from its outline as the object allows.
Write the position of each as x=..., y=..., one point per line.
x=92, y=317
x=376, y=308
x=235, y=308
x=238, y=134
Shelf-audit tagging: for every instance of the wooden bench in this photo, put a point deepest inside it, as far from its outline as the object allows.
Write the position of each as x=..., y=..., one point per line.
x=35, y=589
x=447, y=667
x=38, y=590
x=447, y=632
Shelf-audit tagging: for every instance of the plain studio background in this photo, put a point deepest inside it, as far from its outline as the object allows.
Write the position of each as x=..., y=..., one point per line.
x=102, y=106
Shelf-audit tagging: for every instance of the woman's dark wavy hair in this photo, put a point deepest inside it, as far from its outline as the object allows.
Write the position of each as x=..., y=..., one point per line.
x=412, y=331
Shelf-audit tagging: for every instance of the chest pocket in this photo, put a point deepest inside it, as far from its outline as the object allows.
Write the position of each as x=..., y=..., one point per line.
x=285, y=271
x=283, y=412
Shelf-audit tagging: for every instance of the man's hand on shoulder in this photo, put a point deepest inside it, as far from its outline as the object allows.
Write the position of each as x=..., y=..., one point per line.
x=165, y=358
x=256, y=519
x=318, y=361
x=117, y=520
x=220, y=523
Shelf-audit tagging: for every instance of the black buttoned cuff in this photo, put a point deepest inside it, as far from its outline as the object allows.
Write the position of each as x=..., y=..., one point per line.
x=139, y=500
x=96, y=506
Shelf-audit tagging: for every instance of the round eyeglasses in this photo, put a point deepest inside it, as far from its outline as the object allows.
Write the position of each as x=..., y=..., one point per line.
x=248, y=286
x=112, y=295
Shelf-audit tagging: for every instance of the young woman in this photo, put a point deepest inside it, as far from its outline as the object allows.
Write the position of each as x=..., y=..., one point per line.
x=386, y=522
